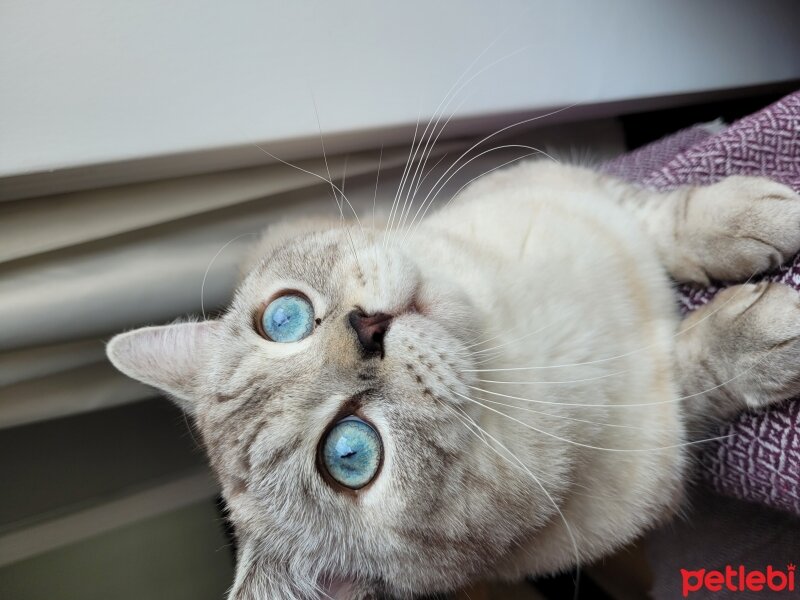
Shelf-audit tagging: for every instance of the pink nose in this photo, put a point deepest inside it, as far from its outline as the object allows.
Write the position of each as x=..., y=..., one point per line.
x=370, y=330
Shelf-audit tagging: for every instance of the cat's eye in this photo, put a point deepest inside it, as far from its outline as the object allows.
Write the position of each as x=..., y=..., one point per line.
x=288, y=318
x=351, y=453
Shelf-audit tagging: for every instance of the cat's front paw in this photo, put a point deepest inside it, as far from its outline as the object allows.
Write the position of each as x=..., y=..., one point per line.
x=741, y=226
x=753, y=342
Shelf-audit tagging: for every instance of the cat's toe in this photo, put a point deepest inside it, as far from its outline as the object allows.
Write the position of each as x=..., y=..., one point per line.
x=743, y=226
x=761, y=341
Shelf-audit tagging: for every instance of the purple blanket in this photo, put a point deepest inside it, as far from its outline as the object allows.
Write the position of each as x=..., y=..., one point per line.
x=761, y=461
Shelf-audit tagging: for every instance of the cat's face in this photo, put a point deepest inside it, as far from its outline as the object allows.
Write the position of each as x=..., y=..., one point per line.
x=402, y=498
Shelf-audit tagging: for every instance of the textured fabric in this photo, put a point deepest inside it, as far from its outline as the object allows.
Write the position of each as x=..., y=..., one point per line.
x=761, y=459
x=639, y=164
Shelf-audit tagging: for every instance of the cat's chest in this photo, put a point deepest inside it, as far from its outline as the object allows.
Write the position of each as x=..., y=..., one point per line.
x=519, y=233
x=573, y=260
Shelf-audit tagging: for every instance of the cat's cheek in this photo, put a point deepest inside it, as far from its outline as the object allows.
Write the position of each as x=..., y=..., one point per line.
x=450, y=307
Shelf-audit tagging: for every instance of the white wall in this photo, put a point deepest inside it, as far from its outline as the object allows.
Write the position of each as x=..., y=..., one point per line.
x=89, y=82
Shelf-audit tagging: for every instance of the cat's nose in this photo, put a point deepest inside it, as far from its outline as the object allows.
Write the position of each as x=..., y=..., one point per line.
x=370, y=329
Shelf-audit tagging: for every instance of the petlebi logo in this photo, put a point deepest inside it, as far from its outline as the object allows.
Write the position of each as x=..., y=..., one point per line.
x=739, y=579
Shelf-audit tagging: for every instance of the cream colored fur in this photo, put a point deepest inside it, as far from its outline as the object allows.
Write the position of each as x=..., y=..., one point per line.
x=530, y=396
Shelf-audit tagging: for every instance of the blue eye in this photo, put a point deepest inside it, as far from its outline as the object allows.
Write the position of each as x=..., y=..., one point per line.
x=289, y=318
x=351, y=453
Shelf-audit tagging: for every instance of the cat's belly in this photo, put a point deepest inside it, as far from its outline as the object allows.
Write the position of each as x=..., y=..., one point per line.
x=580, y=383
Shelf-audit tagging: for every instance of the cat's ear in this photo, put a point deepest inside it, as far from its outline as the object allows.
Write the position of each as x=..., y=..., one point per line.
x=166, y=357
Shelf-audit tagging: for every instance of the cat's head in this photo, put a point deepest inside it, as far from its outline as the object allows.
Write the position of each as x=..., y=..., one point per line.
x=328, y=396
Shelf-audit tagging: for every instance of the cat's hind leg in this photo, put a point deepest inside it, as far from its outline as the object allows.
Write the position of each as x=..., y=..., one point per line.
x=729, y=231
x=740, y=350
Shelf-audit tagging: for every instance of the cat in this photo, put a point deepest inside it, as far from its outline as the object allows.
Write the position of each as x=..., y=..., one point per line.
x=504, y=390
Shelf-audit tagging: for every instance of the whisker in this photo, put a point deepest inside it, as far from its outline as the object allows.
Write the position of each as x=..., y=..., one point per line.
x=495, y=133
x=573, y=484
x=401, y=221
x=589, y=446
x=428, y=201
x=333, y=186
x=598, y=377
x=447, y=99
x=519, y=339
x=325, y=157
x=374, y=204
x=454, y=410
x=475, y=330
x=538, y=483
x=439, y=110
x=313, y=174
x=431, y=170
x=486, y=341
x=719, y=308
x=208, y=268
x=406, y=169
x=426, y=153
x=680, y=332
x=334, y=189
x=575, y=419
x=492, y=170
x=344, y=173
x=411, y=182
x=375, y=194
x=670, y=401
x=490, y=358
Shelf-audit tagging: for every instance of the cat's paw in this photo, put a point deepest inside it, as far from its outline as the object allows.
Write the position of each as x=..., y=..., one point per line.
x=753, y=342
x=740, y=226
